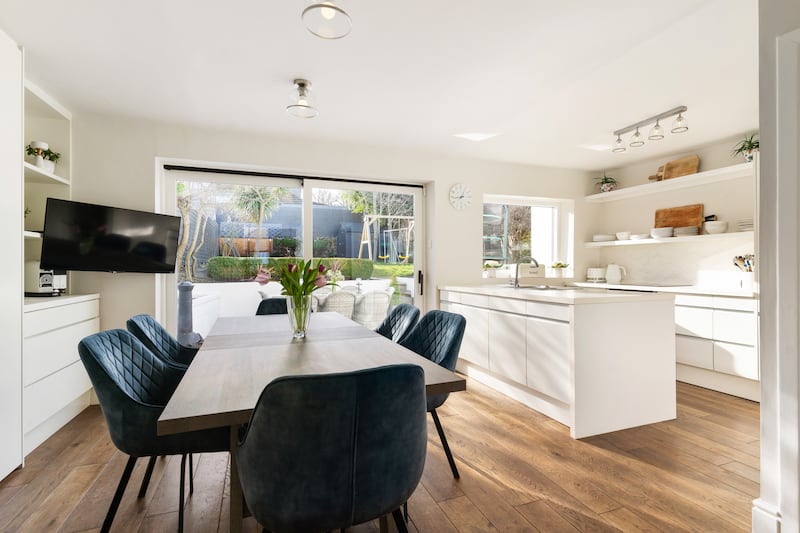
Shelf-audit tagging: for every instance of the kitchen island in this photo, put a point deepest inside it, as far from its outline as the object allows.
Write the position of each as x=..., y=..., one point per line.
x=593, y=359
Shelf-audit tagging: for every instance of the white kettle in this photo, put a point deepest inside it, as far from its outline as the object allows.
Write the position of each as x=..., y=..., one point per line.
x=615, y=273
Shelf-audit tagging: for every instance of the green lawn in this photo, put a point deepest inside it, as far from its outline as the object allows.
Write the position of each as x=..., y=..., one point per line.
x=385, y=270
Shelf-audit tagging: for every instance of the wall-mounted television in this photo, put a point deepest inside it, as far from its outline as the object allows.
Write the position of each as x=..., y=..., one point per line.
x=80, y=236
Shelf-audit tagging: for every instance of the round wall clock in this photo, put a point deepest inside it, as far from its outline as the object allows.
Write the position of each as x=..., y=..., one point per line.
x=460, y=196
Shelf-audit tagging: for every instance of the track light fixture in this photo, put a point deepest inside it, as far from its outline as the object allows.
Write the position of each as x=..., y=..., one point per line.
x=301, y=105
x=680, y=125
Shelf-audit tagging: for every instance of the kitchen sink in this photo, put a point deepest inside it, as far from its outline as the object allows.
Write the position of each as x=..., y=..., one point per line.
x=547, y=287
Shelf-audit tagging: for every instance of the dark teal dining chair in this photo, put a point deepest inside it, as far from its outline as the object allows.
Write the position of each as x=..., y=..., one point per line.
x=327, y=452
x=437, y=336
x=272, y=306
x=158, y=340
x=398, y=322
x=133, y=387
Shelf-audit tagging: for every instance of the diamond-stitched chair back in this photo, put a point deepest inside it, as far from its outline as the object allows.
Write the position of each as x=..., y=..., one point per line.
x=325, y=452
x=272, y=306
x=437, y=336
x=159, y=341
x=398, y=322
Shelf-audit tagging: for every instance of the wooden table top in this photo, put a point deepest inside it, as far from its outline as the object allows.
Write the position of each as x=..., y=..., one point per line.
x=242, y=355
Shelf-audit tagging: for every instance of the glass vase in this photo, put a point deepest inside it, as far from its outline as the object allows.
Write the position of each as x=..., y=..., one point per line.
x=299, y=308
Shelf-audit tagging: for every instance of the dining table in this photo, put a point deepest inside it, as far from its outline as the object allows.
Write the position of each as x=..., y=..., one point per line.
x=242, y=355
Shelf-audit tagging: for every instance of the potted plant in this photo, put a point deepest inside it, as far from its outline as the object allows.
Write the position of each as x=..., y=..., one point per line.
x=44, y=157
x=606, y=183
x=558, y=268
x=491, y=267
x=747, y=147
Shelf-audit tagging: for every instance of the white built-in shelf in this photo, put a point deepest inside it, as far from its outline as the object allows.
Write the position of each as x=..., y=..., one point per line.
x=34, y=174
x=668, y=240
x=742, y=170
x=32, y=234
x=40, y=104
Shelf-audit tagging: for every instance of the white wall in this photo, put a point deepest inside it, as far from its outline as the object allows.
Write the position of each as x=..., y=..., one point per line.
x=114, y=164
x=778, y=507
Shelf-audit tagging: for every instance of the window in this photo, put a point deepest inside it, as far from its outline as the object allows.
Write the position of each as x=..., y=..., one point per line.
x=520, y=227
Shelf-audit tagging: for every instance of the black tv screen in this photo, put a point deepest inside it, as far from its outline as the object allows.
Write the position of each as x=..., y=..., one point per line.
x=80, y=236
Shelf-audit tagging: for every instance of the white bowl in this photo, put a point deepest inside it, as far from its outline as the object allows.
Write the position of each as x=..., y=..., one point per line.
x=623, y=235
x=602, y=237
x=640, y=236
x=716, y=226
x=661, y=233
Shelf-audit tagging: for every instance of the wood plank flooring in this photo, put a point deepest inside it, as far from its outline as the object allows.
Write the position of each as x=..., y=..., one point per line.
x=520, y=472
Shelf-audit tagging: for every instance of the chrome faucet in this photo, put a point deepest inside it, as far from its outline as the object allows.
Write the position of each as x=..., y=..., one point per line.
x=528, y=259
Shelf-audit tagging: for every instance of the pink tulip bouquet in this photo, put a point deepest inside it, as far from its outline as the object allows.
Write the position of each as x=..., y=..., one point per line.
x=299, y=280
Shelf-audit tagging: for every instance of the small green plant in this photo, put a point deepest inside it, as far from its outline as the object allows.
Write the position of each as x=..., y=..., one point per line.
x=605, y=179
x=746, y=146
x=559, y=264
x=46, y=154
x=491, y=264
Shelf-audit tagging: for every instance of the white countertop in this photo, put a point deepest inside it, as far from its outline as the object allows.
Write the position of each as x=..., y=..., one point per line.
x=37, y=303
x=687, y=289
x=577, y=296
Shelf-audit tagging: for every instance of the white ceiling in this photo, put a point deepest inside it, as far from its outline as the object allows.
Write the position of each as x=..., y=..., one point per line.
x=544, y=76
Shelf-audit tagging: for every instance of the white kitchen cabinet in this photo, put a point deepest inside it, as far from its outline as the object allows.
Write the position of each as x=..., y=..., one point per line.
x=548, y=362
x=55, y=384
x=11, y=265
x=716, y=343
x=507, y=345
x=475, y=344
x=562, y=353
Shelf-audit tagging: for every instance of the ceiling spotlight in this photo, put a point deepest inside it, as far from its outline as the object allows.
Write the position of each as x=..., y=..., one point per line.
x=327, y=20
x=680, y=125
x=657, y=133
x=636, y=139
x=301, y=105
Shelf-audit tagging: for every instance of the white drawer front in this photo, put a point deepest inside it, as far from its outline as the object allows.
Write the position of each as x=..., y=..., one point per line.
x=736, y=359
x=734, y=304
x=476, y=300
x=449, y=296
x=548, y=358
x=694, y=321
x=694, y=300
x=695, y=352
x=551, y=311
x=47, y=396
x=36, y=322
x=508, y=305
x=735, y=326
x=507, y=345
x=46, y=353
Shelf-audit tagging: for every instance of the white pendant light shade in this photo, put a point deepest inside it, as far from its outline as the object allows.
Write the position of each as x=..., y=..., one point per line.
x=680, y=125
x=636, y=139
x=657, y=133
x=327, y=20
x=301, y=106
x=619, y=146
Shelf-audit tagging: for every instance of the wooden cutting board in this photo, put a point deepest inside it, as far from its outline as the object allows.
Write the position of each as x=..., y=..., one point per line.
x=680, y=217
x=681, y=167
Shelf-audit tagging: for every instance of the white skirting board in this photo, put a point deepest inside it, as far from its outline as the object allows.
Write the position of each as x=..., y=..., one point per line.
x=726, y=383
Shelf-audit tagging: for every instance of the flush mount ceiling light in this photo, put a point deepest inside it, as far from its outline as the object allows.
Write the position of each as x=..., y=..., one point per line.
x=657, y=133
x=301, y=105
x=327, y=20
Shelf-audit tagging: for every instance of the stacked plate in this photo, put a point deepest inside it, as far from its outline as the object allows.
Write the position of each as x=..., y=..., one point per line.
x=745, y=224
x=602, y=237
x=686, y=231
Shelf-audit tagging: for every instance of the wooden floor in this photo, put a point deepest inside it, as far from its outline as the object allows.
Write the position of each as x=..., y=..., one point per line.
x=520, y=471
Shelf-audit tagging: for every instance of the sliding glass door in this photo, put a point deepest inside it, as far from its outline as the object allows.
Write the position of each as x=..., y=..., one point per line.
x=235, y=226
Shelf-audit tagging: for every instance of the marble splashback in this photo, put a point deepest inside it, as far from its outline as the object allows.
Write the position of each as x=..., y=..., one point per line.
x=705, y=262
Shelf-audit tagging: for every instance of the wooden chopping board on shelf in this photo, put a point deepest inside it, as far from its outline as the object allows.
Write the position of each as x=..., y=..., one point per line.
x=681, y=167
x=680, y=217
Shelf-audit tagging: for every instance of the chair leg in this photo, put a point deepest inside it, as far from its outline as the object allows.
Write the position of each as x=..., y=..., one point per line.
x=191, y=475
x=147, y=474
x=405, y=511
x=398, y=521
x=446, y=447
x=123, y=482
x=181, y=497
